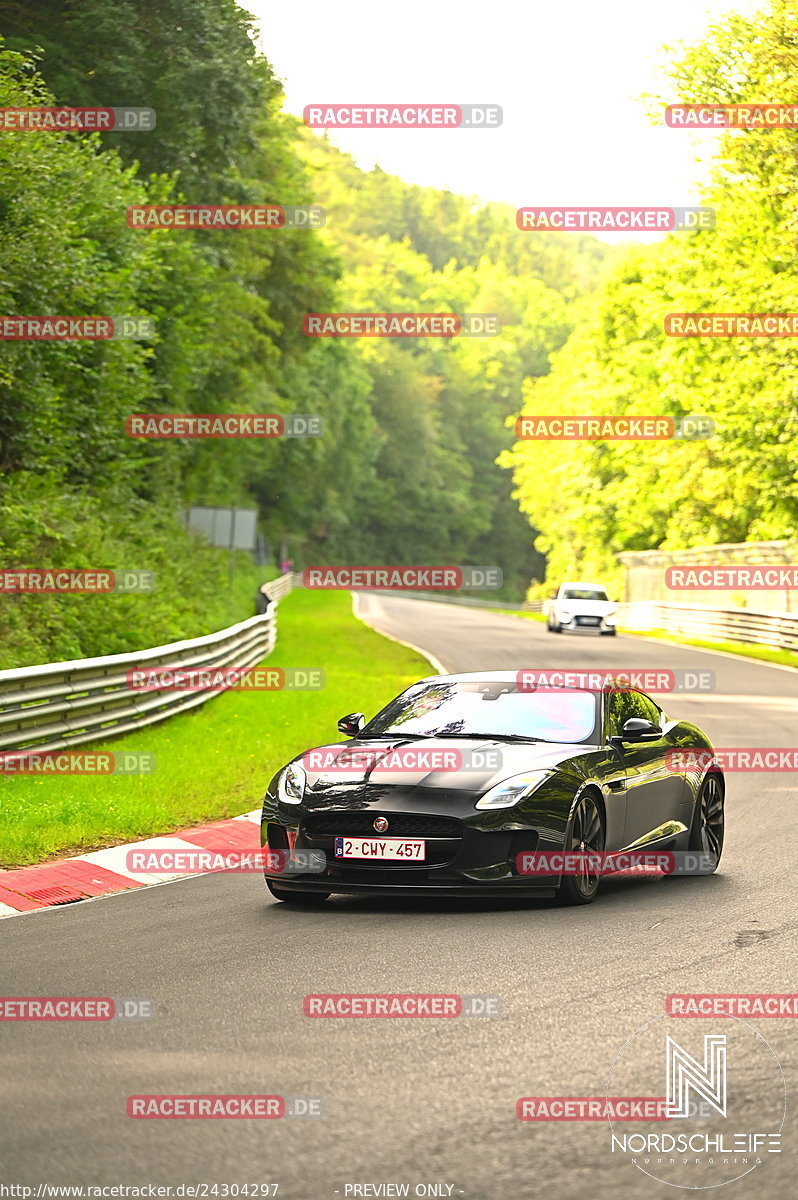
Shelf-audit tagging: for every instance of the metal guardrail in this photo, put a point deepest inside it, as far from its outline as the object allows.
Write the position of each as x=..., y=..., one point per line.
x=58, y=705
x=779, y=630
x=277, y=588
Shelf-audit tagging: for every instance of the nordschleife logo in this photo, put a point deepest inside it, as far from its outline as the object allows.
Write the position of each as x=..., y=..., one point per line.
x=725, y=1103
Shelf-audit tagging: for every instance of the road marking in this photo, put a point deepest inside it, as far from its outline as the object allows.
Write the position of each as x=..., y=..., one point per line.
x=738, y=658
x=431, y=658
x=113, y=859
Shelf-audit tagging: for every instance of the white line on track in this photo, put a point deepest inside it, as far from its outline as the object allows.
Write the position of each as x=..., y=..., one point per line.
x=431, y=658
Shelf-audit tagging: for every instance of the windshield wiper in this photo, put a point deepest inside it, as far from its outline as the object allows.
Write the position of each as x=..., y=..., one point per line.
x=507, y=737
x=475, y=737
x=392, y=736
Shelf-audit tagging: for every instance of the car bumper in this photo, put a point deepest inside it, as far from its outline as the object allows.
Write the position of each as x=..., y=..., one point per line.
x=585, y=621
x=478, y=859
x=393, y=887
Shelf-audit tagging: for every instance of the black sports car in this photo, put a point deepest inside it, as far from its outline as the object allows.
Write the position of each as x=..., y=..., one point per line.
x=462, y=781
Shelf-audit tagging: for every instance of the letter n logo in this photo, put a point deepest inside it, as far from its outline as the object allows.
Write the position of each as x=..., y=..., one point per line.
x=685, y=1073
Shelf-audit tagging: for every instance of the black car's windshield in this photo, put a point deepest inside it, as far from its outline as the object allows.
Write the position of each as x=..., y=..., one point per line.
x=486, y=708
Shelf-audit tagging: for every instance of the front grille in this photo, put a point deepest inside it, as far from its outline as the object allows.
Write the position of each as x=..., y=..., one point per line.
x=442, y=835
x=361, y=824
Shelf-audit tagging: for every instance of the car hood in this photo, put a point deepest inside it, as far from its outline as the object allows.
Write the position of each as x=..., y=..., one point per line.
x=466, y=764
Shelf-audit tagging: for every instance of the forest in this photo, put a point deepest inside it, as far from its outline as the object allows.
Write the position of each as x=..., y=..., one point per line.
x=418, y=462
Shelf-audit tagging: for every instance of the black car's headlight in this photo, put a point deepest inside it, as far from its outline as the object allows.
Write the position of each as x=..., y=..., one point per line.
x=510, y=791
x=291, y=784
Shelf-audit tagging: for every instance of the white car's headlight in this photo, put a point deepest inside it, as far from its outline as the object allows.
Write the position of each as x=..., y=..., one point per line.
x=510, y=791
x=291, y=784
x=565, y=615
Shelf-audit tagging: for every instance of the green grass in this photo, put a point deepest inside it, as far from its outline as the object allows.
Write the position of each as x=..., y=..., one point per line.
x=512, y=612
x=785, y=658
x=215, y=762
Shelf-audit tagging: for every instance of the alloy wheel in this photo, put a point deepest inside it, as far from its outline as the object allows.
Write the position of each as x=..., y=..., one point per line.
x=587, y=835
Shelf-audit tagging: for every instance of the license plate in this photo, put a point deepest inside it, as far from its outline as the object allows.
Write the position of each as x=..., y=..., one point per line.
x=589, y=620
x=405, y=849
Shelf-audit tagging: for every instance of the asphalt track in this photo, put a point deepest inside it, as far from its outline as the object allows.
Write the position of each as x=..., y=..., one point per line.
x=411, y=1101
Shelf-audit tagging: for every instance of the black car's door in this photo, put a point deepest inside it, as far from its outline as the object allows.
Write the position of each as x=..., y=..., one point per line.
x=653, y=788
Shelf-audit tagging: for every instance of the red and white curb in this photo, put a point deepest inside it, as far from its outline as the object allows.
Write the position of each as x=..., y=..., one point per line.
x=103, y=872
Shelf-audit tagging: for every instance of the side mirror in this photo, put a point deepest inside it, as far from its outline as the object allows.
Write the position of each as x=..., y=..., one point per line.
x=351, y=724
x=638, y=729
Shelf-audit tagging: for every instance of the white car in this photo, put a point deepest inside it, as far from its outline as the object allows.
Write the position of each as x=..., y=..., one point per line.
x=580, y=605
